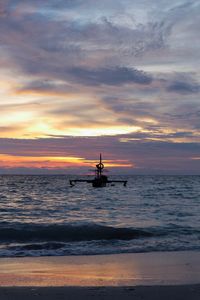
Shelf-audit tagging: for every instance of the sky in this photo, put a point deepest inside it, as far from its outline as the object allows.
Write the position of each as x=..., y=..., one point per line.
x=80, y=77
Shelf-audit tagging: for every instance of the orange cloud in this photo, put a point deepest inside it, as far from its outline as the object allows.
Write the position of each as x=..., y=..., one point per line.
x=51, y=162
x=11, y=161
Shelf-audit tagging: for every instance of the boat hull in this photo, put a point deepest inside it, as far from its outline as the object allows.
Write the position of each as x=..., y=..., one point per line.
x=99, y=182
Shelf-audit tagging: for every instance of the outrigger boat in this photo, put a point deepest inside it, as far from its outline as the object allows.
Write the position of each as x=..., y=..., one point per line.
x=100, y=180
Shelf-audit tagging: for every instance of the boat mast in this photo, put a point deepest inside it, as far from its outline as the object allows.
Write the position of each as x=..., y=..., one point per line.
x=99, y=167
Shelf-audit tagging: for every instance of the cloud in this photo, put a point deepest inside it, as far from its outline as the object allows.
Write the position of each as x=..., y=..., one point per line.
x=146, y=156
x=47, y=87
x=110, y=76
x=9, y=129
x=101, y=65
x=55, y=46
x=184, y=87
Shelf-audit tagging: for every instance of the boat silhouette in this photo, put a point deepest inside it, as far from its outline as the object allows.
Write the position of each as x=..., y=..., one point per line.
x=100, y=180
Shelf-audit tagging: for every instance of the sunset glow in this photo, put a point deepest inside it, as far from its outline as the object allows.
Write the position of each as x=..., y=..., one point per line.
x=11, y=161
x=84, y=77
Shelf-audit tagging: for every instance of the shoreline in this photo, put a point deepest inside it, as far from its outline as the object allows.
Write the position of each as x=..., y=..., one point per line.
x=117, y=270
x=145, y=276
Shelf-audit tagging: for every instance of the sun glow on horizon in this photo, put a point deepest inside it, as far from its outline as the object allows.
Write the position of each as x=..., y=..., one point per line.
x=51, y=162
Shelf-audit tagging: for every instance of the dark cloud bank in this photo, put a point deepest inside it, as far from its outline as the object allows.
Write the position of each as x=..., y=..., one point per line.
x=148, y=157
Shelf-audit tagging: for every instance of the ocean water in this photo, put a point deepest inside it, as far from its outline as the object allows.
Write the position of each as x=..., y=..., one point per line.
x=43, y=215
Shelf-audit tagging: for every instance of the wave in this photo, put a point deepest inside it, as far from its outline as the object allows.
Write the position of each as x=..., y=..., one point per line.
x=91, y=239
x=68, y=232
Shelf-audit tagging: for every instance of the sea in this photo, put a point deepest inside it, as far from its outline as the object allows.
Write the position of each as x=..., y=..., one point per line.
x=45, y=216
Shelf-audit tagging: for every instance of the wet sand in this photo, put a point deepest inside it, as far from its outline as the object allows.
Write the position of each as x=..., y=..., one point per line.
x=161, y=275
x=190, y=292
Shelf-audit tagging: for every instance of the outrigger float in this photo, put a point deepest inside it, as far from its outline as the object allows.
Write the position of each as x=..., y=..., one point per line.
x=100, y=180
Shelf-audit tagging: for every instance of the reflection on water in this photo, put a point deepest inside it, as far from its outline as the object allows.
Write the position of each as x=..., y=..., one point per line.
x=116, y=270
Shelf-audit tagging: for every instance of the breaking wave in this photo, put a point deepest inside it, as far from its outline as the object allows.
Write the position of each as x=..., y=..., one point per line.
x=68, y=232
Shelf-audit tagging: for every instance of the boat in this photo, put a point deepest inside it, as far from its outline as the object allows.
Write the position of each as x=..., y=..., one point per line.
x=100, y=180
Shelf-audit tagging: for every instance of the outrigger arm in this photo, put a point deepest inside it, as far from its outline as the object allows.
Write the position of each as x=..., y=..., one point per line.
x=73, y=181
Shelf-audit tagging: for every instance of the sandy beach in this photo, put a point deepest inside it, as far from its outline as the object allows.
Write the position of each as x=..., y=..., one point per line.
x=162, y=275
